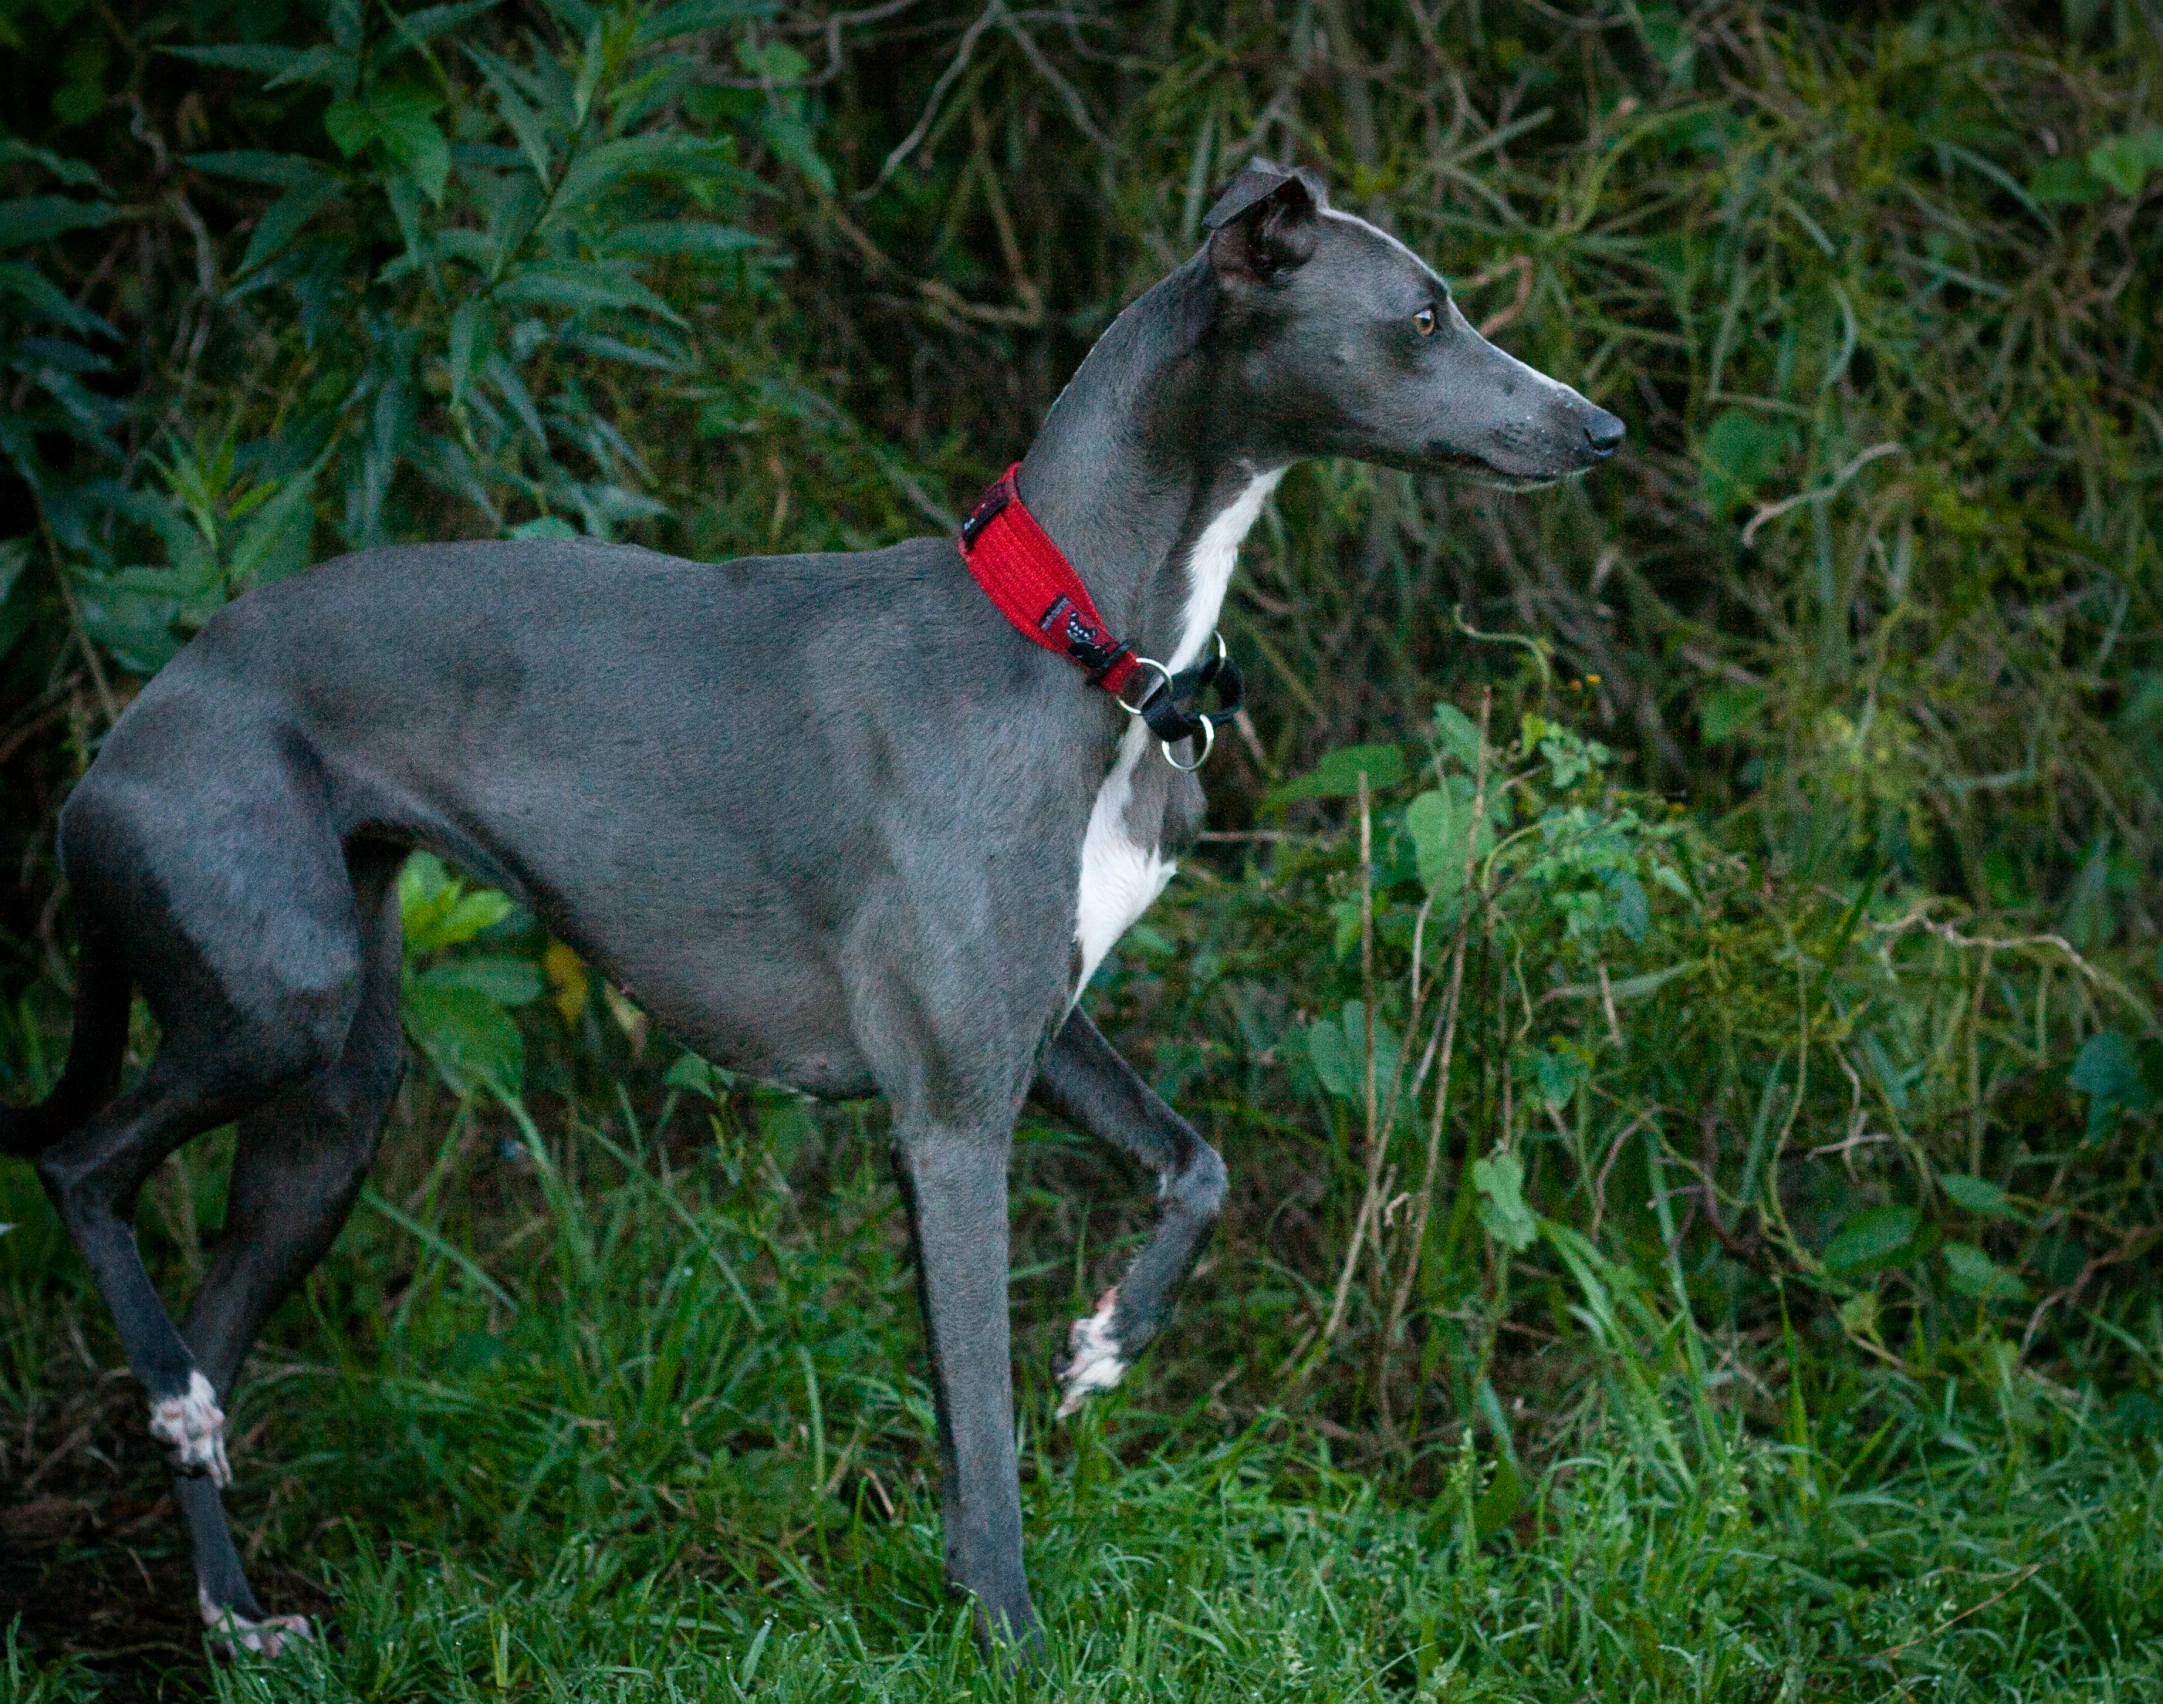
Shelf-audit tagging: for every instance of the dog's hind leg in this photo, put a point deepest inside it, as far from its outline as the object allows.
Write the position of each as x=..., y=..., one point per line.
x=251, y=961
x=297, y=1170
x=1085, y=1082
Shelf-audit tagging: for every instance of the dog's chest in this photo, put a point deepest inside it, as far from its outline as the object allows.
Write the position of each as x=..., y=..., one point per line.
x=1124, y=866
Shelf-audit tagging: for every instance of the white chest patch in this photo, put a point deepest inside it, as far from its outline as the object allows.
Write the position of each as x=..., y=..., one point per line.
x=1120, y=876
x=1120, y=879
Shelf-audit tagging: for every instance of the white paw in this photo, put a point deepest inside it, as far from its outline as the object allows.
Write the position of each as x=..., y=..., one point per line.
x=192, y=1428
x=266, y=1638
x=1093, y=1359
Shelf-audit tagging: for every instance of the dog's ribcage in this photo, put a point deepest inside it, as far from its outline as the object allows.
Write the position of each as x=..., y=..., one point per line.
x=1123, y=867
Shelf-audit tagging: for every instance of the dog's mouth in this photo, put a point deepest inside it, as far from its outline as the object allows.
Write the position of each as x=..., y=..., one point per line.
x=1475, y=469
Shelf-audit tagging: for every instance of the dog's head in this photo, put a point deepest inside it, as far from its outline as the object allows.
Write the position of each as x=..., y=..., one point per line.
x=1342, y=341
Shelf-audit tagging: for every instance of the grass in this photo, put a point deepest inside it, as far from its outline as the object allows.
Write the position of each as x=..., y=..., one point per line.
x=658, y=1431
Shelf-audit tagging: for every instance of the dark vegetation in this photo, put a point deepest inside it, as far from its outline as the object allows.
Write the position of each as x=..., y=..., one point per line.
x=1674, y=972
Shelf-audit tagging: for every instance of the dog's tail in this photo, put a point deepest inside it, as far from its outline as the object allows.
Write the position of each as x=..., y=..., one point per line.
x=102, y=993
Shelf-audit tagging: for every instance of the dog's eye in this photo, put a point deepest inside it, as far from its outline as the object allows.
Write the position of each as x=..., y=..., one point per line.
x=1425, y=320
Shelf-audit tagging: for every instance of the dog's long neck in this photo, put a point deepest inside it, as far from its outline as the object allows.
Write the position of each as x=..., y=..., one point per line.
x=1140, y=482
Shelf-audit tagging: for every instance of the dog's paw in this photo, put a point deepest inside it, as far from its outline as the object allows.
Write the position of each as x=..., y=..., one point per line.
x=192, y=1428
x=1093, y=1361
x=268, y=1637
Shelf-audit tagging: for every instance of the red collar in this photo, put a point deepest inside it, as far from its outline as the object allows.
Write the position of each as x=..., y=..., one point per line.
x=1035, y=587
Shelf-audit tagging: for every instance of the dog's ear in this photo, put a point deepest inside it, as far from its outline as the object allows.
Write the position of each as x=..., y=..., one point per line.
x=1263, y=224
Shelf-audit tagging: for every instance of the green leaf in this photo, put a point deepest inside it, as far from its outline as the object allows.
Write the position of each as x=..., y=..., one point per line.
x=1338, y=1049
x=1633, y=911
x=545, y=526
x=39, y=218
x=507, y=981
x=1149, y=941
x=1440, y=822
x=1337, y=775
x=1726, y=712
x=408, y=132
x=404, y=196
x=1499, y=1502
x=638, y=355
x=790, y=137
x=274, y=543
x=41, y=300
x=1558, y=1071
x=1387, y=1049
x=133, y=622
x=1456, y=733
x=14, y=558
x=526, y=124
x=1500, y=1180
x=695, y=1074
x=439, y=910
x=576, y=287
x=2064, y=182
x=335, y=65
x=287, y=217
x=75, y=173
x=2125, y=161
x=697, y=239
x=501, y=374
x=1741, y=450
x=350, y=126
x=469, y=1038
x=2107, y=1071
x=1974, y=1273
x=664, y=155
x=15, y=621
x=515, y=202
x=252, y=165
x=431, y=21
x=1874, y=1238
x=473, y=340
x=1340, y=1072
x=692, y=16
x=261, y=58
x=1438, y=831
x=1986, y=1200
x=462, y=242
x=773, y=62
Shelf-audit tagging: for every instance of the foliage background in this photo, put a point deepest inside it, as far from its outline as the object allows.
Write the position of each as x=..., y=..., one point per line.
x=1750, y=1296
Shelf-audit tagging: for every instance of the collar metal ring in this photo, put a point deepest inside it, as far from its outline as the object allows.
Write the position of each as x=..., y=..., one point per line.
x=1209, y=739
x=1164, y=675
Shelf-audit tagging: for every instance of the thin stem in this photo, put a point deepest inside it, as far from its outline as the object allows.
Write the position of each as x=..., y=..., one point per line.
x=1368, y=1203
x=1417, y=1247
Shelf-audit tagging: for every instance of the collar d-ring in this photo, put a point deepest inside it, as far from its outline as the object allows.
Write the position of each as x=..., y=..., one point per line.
x=1164, y=683
x=1209, y=739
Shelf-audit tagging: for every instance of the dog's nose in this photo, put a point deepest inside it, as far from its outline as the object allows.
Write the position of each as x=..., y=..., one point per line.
x=1604, y=433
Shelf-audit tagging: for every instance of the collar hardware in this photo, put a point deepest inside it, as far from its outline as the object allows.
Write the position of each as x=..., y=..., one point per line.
x=1031, y=583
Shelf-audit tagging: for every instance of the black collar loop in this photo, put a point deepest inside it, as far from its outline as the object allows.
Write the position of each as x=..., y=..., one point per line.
x=1170, y=709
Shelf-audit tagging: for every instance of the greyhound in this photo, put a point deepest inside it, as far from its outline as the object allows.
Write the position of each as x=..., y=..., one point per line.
x=830, y=818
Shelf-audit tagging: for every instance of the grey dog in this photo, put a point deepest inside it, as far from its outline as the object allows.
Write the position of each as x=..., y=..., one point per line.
x=829, y=818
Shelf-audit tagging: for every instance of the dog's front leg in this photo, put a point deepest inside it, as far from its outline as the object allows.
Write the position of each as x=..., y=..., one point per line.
x=1084, y=1080
x=955, y=1181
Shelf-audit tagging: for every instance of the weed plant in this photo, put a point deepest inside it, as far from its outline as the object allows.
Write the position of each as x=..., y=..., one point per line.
x=1673, y=966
